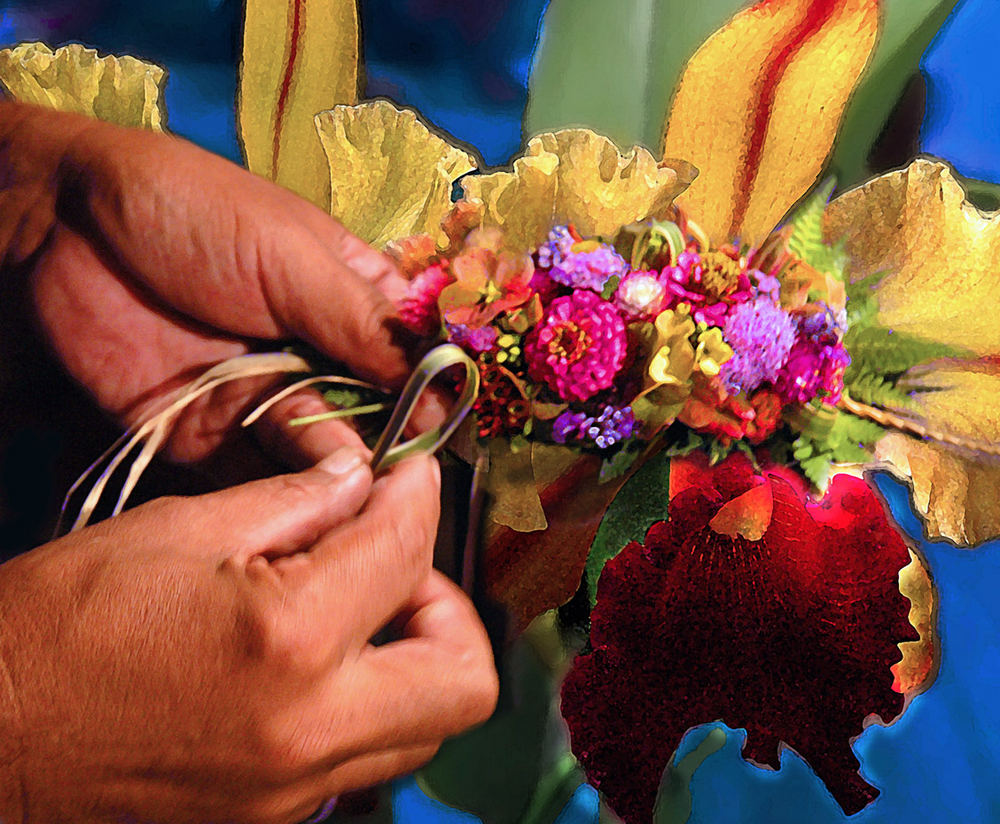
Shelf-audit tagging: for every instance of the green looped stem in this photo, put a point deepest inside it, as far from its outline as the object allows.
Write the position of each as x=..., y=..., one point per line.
x=387, y=451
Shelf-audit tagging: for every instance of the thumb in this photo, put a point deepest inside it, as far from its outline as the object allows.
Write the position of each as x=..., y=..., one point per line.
x=282, y=515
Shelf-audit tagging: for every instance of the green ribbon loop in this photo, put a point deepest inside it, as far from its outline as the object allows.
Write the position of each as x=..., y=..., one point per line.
x=387, y=451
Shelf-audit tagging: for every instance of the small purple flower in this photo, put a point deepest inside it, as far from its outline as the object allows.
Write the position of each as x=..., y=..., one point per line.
x=555, y=248
x=479, y=340
x=611, y=426
x=714, y=314
x=761, y=335
x=543, y=285
x=589, y=270
x=813, y=371
x=567, y=426
x=687, y=261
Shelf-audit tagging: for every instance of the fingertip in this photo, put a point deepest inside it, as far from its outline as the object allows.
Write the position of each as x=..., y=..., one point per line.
x=420, y=469
x=348, y=472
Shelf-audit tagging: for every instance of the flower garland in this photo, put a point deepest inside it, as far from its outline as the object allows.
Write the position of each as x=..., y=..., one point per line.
x=607, y=344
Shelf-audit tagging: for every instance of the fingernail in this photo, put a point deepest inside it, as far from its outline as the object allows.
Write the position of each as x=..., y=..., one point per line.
x=341, y=461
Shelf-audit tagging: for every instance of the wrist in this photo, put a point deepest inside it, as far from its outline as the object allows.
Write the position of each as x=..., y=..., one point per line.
x=12, y=808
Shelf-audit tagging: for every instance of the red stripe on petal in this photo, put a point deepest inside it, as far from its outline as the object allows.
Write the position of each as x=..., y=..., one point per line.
x=296, y=13
x=817, y=14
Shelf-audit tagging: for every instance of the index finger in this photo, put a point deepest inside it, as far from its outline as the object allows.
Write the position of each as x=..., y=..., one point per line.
x=269, y=263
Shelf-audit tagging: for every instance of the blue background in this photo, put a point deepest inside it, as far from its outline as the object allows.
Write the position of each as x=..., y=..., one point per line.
x=464, y=65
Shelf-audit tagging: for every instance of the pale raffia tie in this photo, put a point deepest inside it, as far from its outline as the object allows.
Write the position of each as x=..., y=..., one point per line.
x=150, y=434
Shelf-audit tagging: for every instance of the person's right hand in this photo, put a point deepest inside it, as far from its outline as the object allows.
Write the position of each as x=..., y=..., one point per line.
x=210, y=658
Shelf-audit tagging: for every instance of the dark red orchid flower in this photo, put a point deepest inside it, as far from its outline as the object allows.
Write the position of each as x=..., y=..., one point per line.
x=753, y=606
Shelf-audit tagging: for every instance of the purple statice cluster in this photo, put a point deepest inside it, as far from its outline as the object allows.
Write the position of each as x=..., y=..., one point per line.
x=589, y=268
x=609, y=427
x=761, y=335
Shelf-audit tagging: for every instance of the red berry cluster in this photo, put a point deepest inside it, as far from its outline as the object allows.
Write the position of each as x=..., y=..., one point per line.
x=501, y=408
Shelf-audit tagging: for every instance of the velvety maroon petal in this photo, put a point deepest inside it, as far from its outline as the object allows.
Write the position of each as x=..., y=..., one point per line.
x=791, y=636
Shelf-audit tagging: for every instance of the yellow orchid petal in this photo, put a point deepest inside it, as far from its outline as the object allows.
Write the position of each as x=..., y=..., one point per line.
x=390, y=175
x=940, y=253
x=758, y=107
x=915, y=672
x=298, y=59
x=954, y=489
x=574, y=176
x=120, y=90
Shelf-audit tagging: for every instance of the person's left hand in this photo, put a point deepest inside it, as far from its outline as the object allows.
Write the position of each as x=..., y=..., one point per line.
x=150, y=260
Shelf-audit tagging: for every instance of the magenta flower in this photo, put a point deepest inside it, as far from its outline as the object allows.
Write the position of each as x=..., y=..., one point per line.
x=816, y=363
x=419, y=309
x=579, y=347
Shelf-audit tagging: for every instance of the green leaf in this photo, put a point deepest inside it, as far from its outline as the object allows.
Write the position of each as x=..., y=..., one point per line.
x=832, y=436
x=882, y=351
x=639, y=504
x=508, y=767
x=806, y=241
x=343, y=398
x=612, y=65
x=908, y=28
x=981, y=193
x=876, y=390
x=617, y=465
x=610, y=287
x=673, y=800
x=807, y=223
x=554, y=791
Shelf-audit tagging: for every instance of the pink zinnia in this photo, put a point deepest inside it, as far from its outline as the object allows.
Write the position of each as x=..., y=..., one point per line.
x=579, y=346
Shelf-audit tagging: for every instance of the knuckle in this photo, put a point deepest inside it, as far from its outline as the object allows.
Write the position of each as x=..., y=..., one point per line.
x=409, y=543
x=296, y=491
x=277, y=637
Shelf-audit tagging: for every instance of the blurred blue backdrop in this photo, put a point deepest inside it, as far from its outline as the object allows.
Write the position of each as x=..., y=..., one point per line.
x=465, y=65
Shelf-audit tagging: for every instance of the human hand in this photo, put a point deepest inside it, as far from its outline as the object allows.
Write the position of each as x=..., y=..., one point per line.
x=208, y=659
x=149, y=260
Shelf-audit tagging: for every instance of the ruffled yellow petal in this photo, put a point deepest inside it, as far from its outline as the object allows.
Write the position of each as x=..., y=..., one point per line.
x=954, y=488
x=915, y=672
x=72, y=78
x=390, y=176
x=299, y=58
x=574, y=176
x=758, y=107
x=941, y=254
